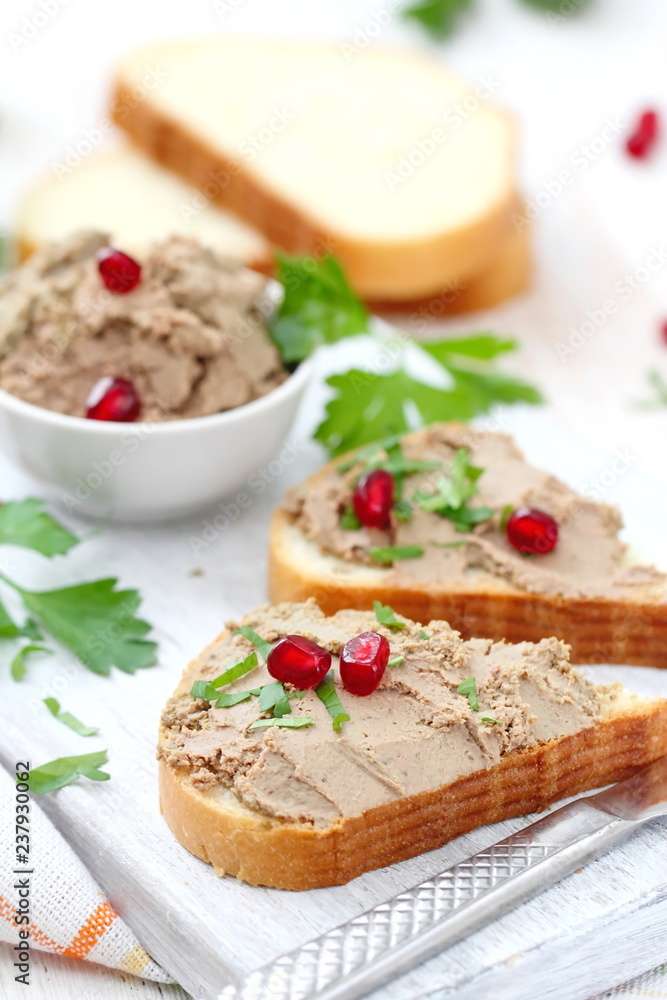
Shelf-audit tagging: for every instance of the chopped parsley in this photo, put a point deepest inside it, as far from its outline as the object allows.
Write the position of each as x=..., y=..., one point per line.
x=491, y=722
x=349, y=520
x=286, y=722
x=423, y=634
x=68, y=719
x=18, y=668
x=388, y=553
x=326, y=692
x=453, y=492
x=64, y=770
x=260, y=644
x=208, y=690
x=386, y=616
x=273, y=697
x=505, y=515
x=395, y=661
x=469, y=689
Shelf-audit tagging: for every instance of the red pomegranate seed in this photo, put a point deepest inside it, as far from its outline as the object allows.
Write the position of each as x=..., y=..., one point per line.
x=120, y=273
x=363, y=662
x=298, y=661
x=373, y=498
x=113, y=399
x=532, y=531
x=643, y=139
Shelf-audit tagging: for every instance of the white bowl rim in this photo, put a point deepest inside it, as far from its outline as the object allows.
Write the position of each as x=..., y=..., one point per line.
x=292, y=384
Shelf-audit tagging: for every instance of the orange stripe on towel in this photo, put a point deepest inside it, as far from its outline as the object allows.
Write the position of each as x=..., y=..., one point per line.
x=7, y=912
x=95, y=927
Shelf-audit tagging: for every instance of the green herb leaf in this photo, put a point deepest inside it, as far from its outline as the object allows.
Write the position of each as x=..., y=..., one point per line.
x=423, y=634
x=326, y=692
x=370, y=452
x=226, y=699
x=96, y=622
x=8, y=627
x=286, y=722
x=18, y=668
x=403, y=511
x=452, y=545
x=203, y=690
x=505, y=515
x=260, y=644
x=478, y=346
x=236, y=670
x=491, y=722
x=68, y=719
x=318, y=307
x=556, y=5
x=437, y=17
x=24, y=523
x=469, y=689
x=395, y=661
x=388, y=553
x=452, y=493
x=273, y=697
x=659, y=386
x=63, y=771
x=349, y=520
x=385, y=615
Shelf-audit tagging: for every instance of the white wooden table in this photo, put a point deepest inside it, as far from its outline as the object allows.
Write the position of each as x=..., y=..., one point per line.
x=565, y=82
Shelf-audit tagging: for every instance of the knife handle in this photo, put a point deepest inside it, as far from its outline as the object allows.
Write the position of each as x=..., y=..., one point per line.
x=377, y=946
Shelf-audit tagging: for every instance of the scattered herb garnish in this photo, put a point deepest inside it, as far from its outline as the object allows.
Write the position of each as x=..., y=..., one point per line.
x=385, y=615
x=63, y=771
x=318, y=307
x=68, y=719
x=18, y=668
x=491, y=722
x=438, y=17
x=423, y=634
x=287, y=722
x=450, y=545
x=326, y=692
x=403, y=510
x=273, y=697
x=659, y=386
x=208, y=690
x=395, y=661
x=388, y=553
x=505, y=515
x=24, y=523
x=349, y=520
x=226, y=699
x=469, y=689
x=452, y=493
x=260, y=644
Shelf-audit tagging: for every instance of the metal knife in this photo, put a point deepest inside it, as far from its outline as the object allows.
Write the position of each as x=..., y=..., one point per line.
x=370, y=950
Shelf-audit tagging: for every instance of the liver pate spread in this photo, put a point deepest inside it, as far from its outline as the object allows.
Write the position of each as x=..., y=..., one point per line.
x=188, y=336
x=588, y=561
x=413, y=734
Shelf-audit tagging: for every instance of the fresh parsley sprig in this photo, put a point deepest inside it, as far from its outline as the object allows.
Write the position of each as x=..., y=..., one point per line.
x=387, y=616
x=326, y=692
x=64, y=770
x=468, y=688
x=452, y=492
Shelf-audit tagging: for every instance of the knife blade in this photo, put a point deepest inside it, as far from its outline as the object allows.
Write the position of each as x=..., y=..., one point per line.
x=368, y=951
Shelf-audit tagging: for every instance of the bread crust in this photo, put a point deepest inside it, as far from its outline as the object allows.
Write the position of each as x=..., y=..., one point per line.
x=380, y=270
x=265, y=851
x=598, y=630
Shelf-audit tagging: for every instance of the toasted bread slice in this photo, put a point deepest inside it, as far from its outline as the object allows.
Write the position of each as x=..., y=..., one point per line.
x=625, y=625
x=123, y=193
x=402, y=170
x=208, y=766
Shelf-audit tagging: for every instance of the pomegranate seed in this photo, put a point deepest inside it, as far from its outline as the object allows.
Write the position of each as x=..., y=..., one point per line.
x=532, y=531
x=373, y=498
x=113, y=399
x=363, y=662
x=298, y=661
x=120, y=273
x=643, y=139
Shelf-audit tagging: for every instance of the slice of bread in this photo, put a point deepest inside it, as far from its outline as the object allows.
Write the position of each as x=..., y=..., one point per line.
x=628, y=627
x=123, y=193
x=401, y=169
x=204, y=783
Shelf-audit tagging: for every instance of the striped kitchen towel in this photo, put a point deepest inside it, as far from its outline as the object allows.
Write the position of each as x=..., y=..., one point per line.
x=58, y=901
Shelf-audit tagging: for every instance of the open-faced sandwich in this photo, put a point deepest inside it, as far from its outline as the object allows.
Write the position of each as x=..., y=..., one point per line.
x=301, y=750
x=452, y=522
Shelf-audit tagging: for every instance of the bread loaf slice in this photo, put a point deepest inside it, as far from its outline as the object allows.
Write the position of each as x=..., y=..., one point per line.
x=412, y=768
x=625, y=623
x=401, y=169
x=123, y=193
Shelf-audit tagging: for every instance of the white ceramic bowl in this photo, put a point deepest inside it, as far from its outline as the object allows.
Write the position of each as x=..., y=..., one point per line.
x=149, y=472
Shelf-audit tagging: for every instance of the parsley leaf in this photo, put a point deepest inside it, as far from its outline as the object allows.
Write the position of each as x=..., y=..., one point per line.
x=226, y=699
x=326, y=692
x=96, y=622
x=286, y=722
x=273, y=697
x=68, y=719
x=403, y=510
x=386, y=616
x=236, y=670
x=260, y=644
x=387, y=553
x=505, y=515
x=349, y=520
x=24, y=523
x=208, y=690
x=18, y=668
x=367, y=407
x=452, y=493
x=8, y=627
x=469, y=689
x=395, y=661
x=659, y=386
x=491, y=722
x=423, y=635
x=63, y=771
x=438, y=17
x=318, y=307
